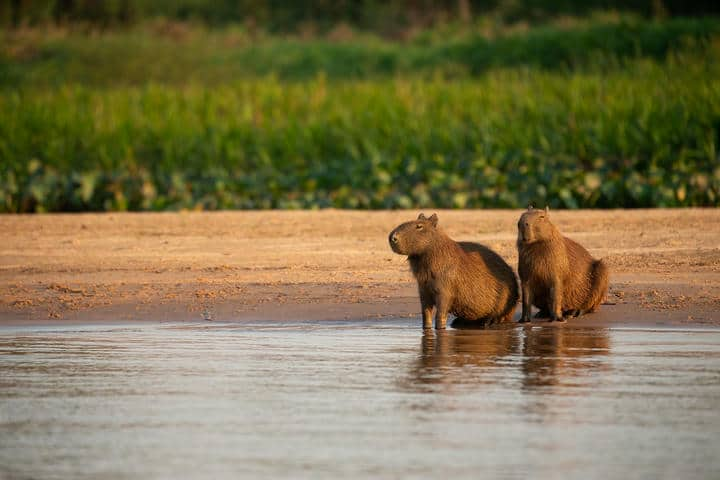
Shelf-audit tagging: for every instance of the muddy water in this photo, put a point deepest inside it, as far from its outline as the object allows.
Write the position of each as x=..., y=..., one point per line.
x=358, y=400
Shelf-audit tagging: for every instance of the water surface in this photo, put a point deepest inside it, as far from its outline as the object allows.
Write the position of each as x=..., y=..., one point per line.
x=358, y=400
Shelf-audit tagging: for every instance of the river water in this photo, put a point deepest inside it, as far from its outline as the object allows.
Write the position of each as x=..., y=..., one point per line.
x=357, y=400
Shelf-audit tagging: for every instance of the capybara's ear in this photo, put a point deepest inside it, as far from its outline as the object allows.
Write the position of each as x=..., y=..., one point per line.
x=433, y=219
x=421, y=217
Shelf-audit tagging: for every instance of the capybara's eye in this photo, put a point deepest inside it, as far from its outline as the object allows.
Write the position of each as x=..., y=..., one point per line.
x=418, y=226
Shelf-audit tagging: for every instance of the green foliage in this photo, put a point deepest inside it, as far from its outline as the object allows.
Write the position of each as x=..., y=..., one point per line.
x=646, y=135
x=179, y=55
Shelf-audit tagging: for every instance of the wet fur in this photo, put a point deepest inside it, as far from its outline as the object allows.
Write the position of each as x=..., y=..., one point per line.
x=557, y=274
x=466, y=279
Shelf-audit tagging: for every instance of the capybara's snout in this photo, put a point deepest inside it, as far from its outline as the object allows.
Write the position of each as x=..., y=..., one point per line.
x=395, y=244
x=524, y=231
x=394, y=241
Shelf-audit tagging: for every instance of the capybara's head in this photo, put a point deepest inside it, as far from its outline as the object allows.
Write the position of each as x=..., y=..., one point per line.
x=414, y=238
x=534, y=225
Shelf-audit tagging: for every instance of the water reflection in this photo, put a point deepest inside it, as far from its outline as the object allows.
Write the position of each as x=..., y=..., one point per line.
x=544, y=356
x=552, y=356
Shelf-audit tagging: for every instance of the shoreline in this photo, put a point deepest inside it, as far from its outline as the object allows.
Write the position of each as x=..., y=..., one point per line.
x=611, y=316
x=64, y=269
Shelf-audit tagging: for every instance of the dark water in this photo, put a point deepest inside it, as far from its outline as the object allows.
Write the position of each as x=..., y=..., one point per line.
x=358, y=400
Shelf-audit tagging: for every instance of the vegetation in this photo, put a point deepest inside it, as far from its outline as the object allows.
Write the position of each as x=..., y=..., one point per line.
x=613, y=113
x=388, y=17
x=644, y=135
x=177, y=54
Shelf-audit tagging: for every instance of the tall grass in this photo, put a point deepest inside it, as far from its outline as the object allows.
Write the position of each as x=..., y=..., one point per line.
x=645, y=135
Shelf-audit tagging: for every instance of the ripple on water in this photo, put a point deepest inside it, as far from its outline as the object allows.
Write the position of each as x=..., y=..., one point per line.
x=358, y=399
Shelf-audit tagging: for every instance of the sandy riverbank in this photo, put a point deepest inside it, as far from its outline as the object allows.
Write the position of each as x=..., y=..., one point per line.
x=330, y=264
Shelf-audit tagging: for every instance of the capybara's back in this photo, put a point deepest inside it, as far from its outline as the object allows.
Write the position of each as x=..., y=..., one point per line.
x=497, y=279
x=587, y=279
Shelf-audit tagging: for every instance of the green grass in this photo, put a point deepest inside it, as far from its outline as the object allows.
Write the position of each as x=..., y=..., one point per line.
x=643, y=135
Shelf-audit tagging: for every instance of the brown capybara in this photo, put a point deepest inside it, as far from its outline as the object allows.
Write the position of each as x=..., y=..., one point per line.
x=466, y=279
x=557, y=275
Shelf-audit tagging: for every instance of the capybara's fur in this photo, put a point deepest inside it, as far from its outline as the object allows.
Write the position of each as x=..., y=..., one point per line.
x=557, y=275
x=466, y=279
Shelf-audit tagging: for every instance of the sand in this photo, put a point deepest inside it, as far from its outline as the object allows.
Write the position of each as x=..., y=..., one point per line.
x=325, y=265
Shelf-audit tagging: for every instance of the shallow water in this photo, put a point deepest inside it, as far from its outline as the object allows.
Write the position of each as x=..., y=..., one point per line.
x=358, y=400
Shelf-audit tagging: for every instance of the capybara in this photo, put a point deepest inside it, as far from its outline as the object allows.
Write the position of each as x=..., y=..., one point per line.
x=466, y=279
x=557, y=275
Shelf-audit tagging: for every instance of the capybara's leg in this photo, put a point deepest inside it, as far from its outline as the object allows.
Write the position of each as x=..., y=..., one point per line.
x=526, y=303
x=441, y=321
x=428, y=307
x=572, y=313
x=442, y=311
x=428, y=316
x=556, y=313
x=542, y=314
